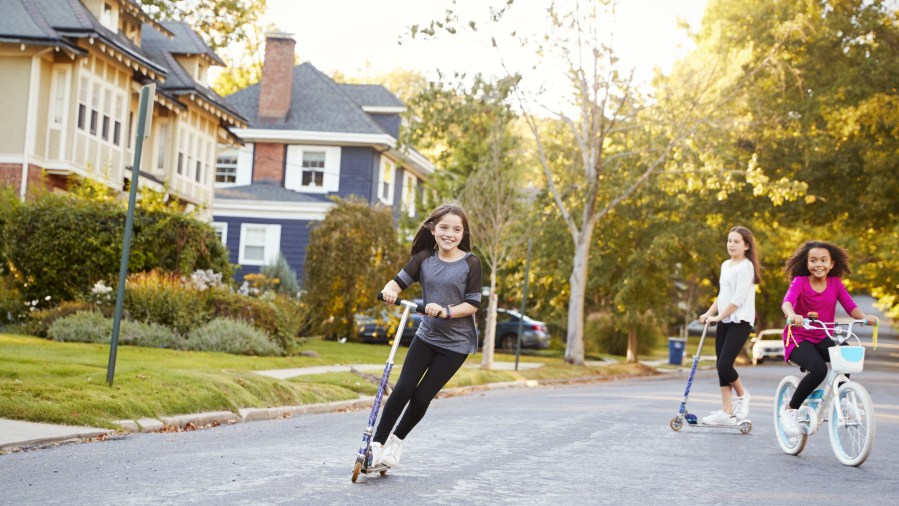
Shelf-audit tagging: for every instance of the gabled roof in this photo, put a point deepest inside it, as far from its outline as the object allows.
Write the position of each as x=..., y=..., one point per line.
x=271, y=191
x=22, y=21
x=178, y=81
x=184, y=41
x=318, y=104
x=371, y=95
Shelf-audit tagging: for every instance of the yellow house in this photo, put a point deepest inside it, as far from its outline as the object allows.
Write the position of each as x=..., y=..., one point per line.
x=72, y=71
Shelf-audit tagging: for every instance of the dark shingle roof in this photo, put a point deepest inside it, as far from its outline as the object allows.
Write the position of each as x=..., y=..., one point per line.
x=267, y=190
x=373, y=95
x=22, y=20
x=317, y=104
x=184, y=41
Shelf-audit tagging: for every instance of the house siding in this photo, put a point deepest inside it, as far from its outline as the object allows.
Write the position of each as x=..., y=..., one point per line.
x=358, y=172
x=389, y=122
x=294, y=241
x=14, y=86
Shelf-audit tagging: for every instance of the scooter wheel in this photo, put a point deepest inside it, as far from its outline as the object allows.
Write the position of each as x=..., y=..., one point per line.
x=356, y=470
x=745, y=427
x=676, y=423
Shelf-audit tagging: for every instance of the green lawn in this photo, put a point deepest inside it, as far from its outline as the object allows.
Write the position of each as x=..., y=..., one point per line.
x=47, y=381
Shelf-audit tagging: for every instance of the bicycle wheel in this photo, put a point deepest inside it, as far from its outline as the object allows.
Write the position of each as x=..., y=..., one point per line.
x=791, y=445
x=852, y=436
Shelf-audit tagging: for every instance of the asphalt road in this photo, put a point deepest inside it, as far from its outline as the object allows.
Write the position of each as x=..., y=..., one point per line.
x=590, y=444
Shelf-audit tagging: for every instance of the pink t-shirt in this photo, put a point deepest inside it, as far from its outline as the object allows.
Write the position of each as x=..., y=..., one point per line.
x=806, y=300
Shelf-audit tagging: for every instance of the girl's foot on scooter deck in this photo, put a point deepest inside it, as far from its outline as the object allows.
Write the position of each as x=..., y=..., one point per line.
x=719, y=418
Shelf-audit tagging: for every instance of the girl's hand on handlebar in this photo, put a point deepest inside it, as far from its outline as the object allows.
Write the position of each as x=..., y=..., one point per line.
x=389, y=296
x=703, y=317
x=871, y=319
x=795, y=320
x=435, y=310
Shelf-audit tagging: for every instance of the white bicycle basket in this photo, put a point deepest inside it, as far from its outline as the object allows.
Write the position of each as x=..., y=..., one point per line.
x=847, y=359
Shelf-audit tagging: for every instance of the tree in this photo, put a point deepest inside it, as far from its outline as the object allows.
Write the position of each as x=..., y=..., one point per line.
x=220, y=24
x=352, y=253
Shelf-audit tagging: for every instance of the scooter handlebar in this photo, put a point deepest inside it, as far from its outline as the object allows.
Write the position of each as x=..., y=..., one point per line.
x=419, y=308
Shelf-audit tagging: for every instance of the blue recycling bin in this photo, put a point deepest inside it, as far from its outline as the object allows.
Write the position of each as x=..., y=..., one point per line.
x=676, y=347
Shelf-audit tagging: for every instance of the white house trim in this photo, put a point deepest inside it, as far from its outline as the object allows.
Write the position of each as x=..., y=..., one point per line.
x=376, y=109
x=272, y=210
x=271, y=247
x=263, y=135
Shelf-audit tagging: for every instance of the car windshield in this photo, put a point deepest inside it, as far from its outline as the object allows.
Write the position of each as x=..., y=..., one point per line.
x=771, y=337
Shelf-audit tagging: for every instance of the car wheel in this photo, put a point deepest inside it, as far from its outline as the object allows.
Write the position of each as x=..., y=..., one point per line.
x=507, y=342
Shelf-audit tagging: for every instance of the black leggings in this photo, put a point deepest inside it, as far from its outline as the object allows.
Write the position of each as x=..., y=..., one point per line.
x=729, y=341
x=437, y=365
x=813, y=358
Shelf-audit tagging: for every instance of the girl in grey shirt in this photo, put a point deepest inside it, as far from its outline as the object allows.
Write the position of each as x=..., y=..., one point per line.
x=450, y=277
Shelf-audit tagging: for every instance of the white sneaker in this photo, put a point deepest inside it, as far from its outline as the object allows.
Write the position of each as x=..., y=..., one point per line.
x=741, y=406
x=377, y=450
x=849, y=410
x=791, y=421
x=719, y=418
x=393, y=449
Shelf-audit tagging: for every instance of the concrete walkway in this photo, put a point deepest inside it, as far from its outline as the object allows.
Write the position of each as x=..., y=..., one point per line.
x=290, y=373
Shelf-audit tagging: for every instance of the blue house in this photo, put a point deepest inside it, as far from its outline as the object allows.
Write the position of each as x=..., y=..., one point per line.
x=308, y=138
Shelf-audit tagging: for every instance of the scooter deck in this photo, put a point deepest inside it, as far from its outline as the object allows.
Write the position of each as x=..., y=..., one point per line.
x=376, y=469
x=737, y=425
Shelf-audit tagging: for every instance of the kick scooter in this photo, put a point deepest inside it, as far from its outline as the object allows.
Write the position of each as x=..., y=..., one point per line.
x=677, y=423
x=364, y=456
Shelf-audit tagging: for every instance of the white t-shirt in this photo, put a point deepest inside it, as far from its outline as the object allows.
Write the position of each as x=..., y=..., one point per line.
x=736, y=288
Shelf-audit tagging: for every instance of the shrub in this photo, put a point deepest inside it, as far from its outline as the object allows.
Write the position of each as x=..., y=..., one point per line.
x=163, y=298
x=92, y=327
x=605, y=332
x=82, y=327
x=279, y=316
x=39, y=322
x=59, y=244
x=287, y=278
x=232, y=336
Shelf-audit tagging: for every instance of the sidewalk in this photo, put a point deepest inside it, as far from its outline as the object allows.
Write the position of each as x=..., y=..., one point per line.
x=17, y=435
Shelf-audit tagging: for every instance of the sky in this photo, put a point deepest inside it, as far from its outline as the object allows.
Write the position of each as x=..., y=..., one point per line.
x=360, y=37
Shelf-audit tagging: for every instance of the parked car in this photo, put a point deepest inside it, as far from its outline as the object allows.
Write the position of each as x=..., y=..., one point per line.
x=382, y=328
x=767, y=344
x=534, y=334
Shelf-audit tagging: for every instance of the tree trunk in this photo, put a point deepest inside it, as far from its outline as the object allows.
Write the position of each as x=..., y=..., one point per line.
x=632, y=344
x=490, y=326
x=574, y=348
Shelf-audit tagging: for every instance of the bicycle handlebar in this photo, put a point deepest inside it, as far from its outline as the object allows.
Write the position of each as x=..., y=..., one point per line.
x=419, y=308
x=829, y=327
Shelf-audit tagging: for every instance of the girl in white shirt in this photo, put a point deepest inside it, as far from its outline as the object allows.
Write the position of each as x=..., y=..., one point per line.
x=734, y=312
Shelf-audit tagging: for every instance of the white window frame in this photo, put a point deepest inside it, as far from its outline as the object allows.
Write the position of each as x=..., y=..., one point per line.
x=219, y=165
x=221, y=229
x=271, y=246
x=386, y=180
x=410, y=189
x=293, y=177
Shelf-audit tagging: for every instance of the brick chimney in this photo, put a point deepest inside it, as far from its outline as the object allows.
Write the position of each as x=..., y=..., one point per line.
x=277, y=73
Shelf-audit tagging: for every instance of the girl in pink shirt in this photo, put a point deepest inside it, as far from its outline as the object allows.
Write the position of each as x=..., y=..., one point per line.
x=816, y=268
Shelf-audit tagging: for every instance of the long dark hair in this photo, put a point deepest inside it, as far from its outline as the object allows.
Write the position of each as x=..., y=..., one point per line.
x=797, y=264
x=424, y=238
x=752, y=253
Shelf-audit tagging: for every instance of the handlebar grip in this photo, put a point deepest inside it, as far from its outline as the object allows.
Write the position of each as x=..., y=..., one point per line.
x=419, y=308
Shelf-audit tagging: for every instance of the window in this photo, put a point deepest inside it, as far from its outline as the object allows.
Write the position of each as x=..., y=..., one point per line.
x=199, y=172
x=106, y=18
x=385, y=181
x=190, y=154
x=221, y=231
x=95, y=108
x=313, y=168
x=226, y=167
x=162, y=145
x=181, y=153
x=107, y=104
x=82, y=103
x=259, y=244
x=59, y=105
x=410, y=188
x=117, y=128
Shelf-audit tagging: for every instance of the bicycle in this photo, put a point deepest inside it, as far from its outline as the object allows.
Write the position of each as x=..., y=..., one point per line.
x=851, y=419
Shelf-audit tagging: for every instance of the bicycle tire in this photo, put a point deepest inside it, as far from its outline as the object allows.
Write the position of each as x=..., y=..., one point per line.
x=791, y=445
x=852, y=437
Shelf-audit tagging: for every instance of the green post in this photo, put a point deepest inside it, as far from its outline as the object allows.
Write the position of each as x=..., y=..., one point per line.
x=144, y=117
x=524, y=300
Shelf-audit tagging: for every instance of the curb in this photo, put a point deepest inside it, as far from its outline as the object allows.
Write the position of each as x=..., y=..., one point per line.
x=51, y=441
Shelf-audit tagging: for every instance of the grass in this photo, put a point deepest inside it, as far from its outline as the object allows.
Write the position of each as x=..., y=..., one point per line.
x=65, y=383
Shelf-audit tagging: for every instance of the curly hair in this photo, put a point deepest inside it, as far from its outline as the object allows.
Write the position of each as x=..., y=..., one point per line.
x=797, y=264
x=424, y=238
